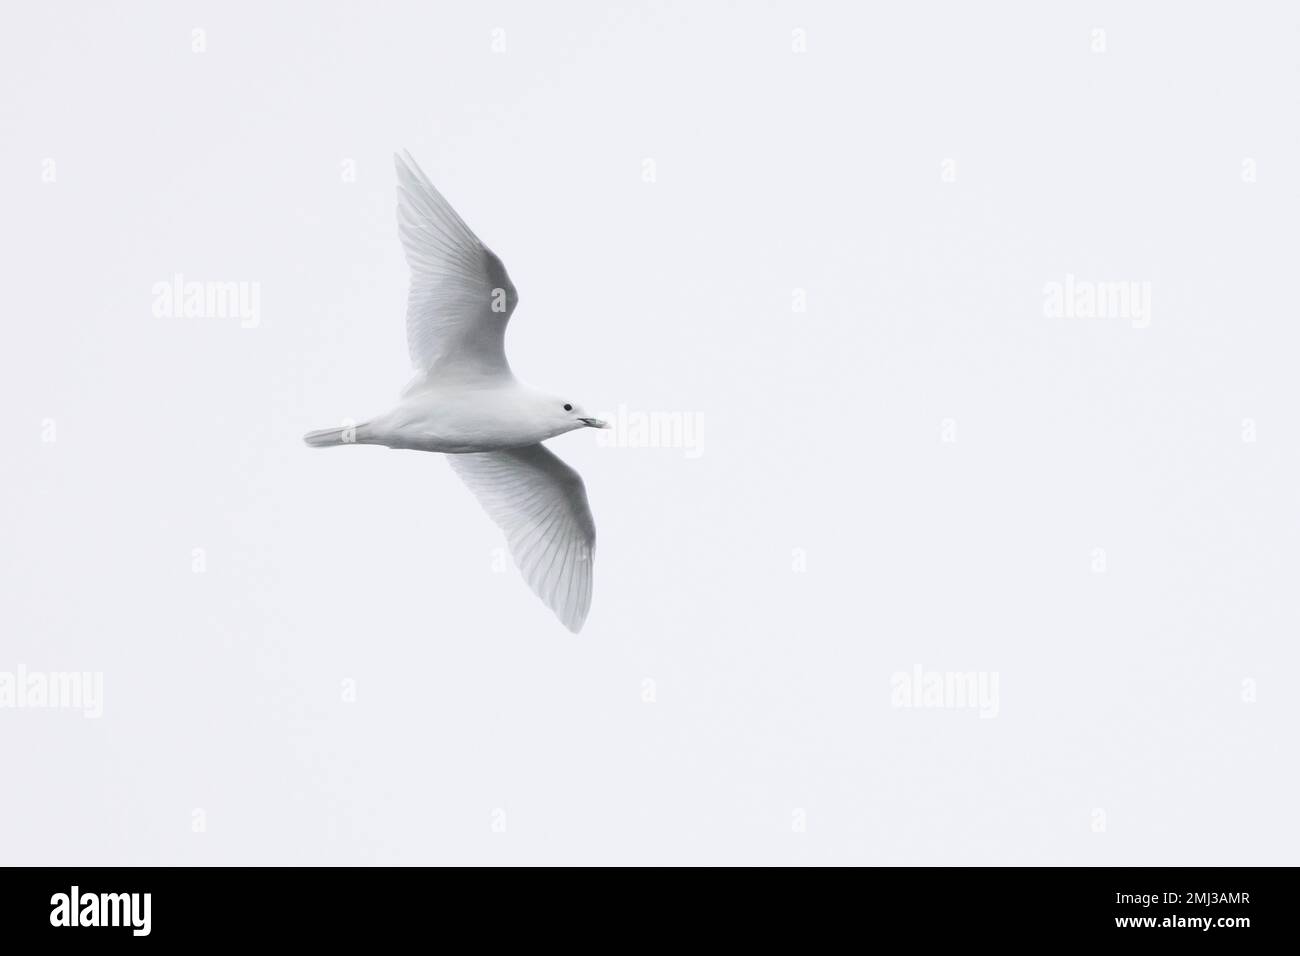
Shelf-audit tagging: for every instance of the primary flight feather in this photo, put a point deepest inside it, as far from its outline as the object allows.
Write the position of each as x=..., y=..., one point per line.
x=465, y=401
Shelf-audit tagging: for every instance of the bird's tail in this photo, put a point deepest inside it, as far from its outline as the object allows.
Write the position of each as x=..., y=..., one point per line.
x=327, y=437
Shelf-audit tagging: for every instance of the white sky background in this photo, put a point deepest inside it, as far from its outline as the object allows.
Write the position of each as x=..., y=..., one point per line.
x=1119, y=692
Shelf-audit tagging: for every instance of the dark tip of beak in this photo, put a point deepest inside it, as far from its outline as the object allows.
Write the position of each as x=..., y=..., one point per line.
x=594, y=423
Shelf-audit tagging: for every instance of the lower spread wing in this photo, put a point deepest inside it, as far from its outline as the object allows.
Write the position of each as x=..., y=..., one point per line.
x=461, y=297
x=541, y=505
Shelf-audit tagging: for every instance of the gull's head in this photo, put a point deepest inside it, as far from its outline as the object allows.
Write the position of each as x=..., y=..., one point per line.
x=566, y=415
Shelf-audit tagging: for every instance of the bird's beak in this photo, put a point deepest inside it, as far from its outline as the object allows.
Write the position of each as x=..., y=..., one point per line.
x=594, y=423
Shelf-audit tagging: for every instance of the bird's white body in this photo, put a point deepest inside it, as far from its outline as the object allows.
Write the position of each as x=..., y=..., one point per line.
x=466, y=403
x=466, y=417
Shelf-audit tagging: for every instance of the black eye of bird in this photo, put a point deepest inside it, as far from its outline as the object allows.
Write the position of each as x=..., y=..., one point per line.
x=568, y=407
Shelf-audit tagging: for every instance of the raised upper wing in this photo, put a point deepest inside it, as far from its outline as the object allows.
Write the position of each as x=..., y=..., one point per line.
x=461, y=297
x=541, y=505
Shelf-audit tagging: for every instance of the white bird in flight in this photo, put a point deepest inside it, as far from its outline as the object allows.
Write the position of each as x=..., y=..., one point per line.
x=465, y=402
